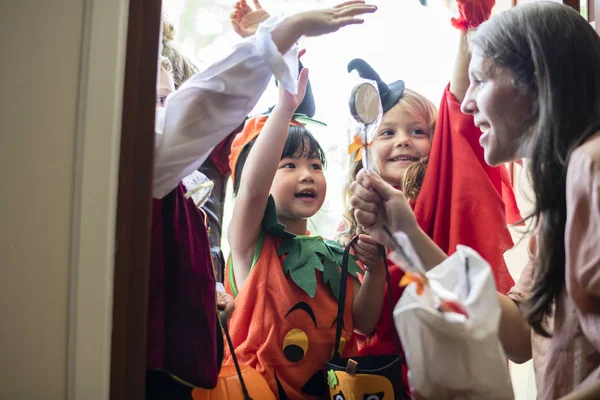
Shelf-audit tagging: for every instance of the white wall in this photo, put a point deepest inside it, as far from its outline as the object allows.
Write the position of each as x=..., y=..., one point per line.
x=61, y=85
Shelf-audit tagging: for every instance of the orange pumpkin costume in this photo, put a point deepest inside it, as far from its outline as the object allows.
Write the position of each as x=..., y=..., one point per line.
x=278, y=328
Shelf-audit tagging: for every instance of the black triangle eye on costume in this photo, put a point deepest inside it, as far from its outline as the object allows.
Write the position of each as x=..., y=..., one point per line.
x=339, y=396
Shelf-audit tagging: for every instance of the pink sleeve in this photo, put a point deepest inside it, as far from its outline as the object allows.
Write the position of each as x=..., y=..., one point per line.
x=582, y=230
x=582, y=237
x=524, y=286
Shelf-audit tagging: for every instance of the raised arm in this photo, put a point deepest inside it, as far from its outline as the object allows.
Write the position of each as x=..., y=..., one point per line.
x=460, y=74
x=210, y=105
x=471, y=14
x=256, y=180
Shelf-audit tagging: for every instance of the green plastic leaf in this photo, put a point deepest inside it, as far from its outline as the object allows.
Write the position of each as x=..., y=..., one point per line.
x=307, y=254
x=305, y=120
x=270, y=223
x=302, y=260
x=332, y=379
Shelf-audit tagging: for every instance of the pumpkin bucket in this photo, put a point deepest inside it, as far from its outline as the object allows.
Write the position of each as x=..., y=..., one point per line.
x=229, y=385
x=364, y=377
x=235, y=381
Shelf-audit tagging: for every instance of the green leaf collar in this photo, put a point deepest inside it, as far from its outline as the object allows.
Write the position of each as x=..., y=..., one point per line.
x=307, y=254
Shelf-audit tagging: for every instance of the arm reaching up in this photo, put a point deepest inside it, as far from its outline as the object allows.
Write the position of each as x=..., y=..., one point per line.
x=471, y=14
x=256, y=180
x=210, y=105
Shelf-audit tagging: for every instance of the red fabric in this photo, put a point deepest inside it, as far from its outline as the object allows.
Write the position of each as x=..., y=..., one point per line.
x=220, y=154
x=513, y=215
x=460, y=201
x=472, y=13
x=182, y=309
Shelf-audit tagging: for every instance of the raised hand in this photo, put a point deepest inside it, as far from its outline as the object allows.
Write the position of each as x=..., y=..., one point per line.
x=290, y=102
x=472, y=13
x=244, y=20
x=320, y=22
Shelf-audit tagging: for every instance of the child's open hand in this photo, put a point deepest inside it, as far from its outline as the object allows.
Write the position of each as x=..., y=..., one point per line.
x=244, y=20
x=370, y=253
x=290, y=102
x=321, y=22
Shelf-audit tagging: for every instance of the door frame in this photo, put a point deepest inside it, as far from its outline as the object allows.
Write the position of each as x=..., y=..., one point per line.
x=134, y=202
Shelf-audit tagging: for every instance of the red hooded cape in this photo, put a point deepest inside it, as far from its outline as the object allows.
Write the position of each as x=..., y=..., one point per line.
x=463, y=200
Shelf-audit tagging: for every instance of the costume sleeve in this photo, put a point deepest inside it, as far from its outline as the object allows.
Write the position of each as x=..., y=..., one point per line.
x=582, y=237
x=524, y=286
x=582, y=230
x=211, y=104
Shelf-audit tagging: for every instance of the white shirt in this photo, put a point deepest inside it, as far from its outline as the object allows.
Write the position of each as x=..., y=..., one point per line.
x=210, y=105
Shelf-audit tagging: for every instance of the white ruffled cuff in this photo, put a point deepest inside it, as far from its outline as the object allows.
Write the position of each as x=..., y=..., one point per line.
x=284, y=68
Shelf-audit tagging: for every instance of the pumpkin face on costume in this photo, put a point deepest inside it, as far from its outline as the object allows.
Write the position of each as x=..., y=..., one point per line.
x=303, y=343
x=229, y=387
x=284, y=321
x=359, y=387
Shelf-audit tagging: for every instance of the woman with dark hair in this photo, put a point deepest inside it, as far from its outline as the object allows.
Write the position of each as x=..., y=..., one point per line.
x=534, y=93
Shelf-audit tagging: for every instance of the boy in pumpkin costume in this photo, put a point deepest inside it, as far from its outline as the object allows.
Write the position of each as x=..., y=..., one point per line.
x=285, y=282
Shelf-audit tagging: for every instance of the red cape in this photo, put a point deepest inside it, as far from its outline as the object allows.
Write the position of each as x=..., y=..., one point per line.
x=463, y=200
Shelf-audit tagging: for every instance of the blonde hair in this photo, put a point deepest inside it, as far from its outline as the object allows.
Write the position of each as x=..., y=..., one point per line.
x=425, y=112
x=166, y=65
x=182, y=68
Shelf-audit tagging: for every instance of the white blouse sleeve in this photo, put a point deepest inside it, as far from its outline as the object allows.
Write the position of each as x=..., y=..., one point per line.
x=210, y=105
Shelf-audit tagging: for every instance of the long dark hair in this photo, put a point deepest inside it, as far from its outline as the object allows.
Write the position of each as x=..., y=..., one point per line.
x=553, y=51
x=299, y=143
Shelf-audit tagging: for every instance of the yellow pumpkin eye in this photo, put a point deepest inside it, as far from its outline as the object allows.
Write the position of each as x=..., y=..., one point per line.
x=295, y=345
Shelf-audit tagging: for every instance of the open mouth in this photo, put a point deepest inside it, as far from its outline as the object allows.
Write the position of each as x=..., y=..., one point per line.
x=404, y=158
x=483, y=127
x=306, y=194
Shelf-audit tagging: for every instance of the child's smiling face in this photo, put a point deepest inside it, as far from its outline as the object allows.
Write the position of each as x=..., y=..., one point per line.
x=299, y=188
x=400, y=141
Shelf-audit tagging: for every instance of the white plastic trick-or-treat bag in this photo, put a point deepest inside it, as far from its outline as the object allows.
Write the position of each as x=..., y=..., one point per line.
x=448, y=324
